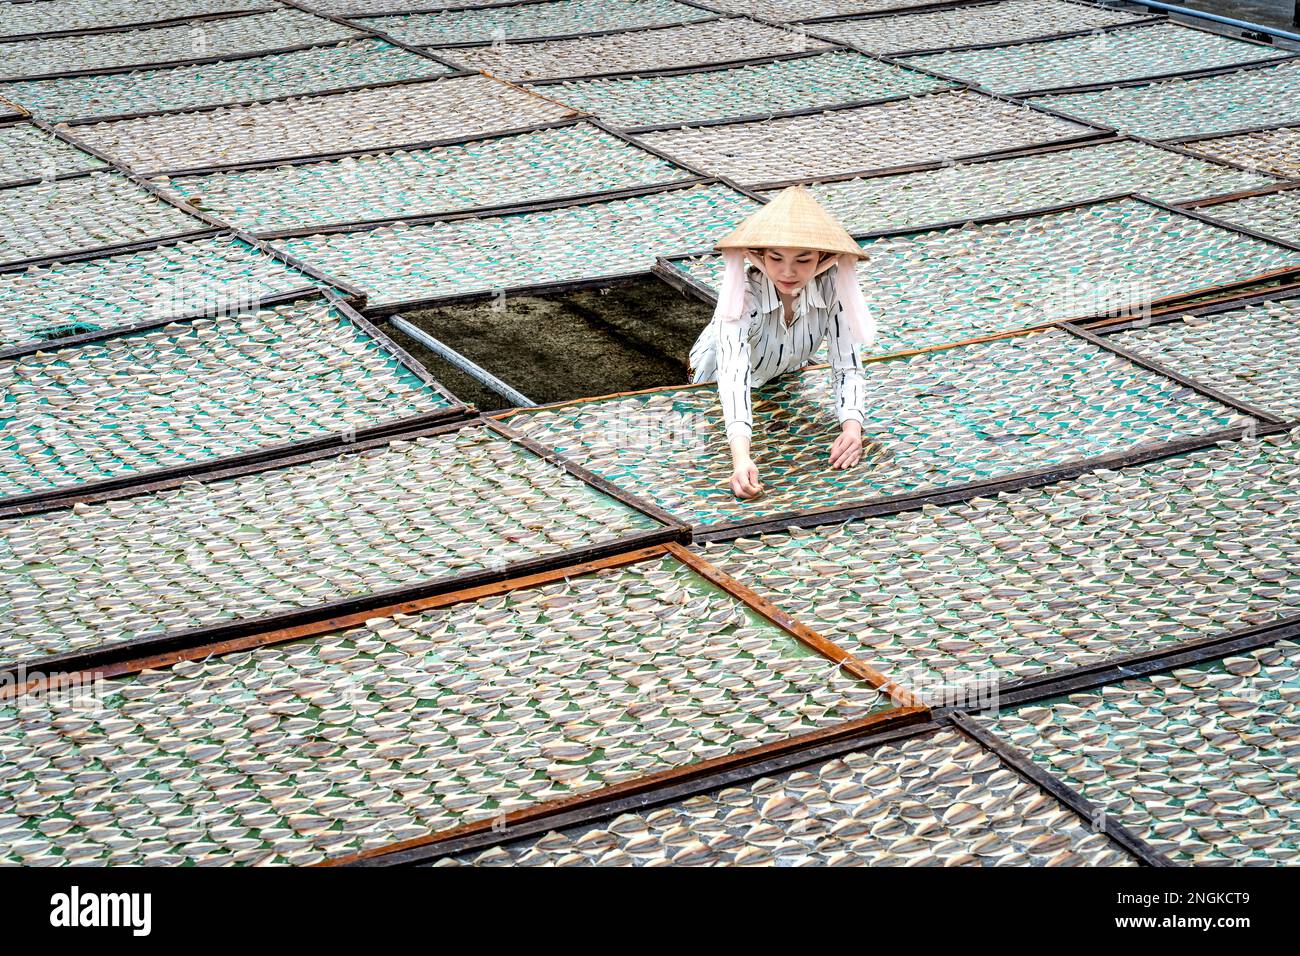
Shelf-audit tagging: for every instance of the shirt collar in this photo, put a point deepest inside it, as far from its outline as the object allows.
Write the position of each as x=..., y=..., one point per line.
x=809, y=297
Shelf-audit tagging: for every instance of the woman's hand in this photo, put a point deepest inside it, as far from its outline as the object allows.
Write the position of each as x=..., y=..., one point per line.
x=847, y=449
x=744, y=479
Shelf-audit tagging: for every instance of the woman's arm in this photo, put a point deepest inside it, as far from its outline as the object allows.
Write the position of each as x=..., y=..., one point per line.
x=735, y=374
x=849, y=387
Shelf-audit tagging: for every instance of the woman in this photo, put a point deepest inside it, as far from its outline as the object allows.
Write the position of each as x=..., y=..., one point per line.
x=801, y=290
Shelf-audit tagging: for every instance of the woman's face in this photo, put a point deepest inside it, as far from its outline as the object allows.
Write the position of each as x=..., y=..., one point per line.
x=790, y=268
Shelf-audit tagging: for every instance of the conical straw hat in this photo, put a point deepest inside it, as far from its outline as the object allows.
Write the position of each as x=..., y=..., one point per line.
x=792, y=218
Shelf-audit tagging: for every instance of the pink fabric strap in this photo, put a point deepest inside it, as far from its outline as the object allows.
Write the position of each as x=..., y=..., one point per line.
x=857, y=314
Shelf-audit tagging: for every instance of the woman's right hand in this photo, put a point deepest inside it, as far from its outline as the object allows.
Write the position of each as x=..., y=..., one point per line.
x=744, y=479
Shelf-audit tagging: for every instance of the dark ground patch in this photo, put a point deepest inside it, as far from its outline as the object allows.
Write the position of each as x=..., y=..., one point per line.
x=634, y=334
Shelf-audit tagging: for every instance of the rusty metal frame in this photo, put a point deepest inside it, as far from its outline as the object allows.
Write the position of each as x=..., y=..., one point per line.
x=449, y=49
x=112, y=657
x=1159, y=368
x=885, y=504
x=1188, y=75
x=1105, y=327
x=381, y=309
x=654, y=789
x=926, y=6
x=217, y=226
x=1031, y=151
x=93, y=119
x=711, y=66
x=990, y=44
x=903, y=719
x=1024, y=767
x=1202, y=137
x=1116, y=669
x=302, y=158
x=187, y=61
x=665, y=267
x=134, y=25
x=485, y=212
x=16, y=505
x=1093, y=134
x=1209, y=201
x=1142, y=24
x=952, y=85
x=32, y=346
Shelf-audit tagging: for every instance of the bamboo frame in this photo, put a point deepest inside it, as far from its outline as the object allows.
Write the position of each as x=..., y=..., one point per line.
x=110, y=658
x=17, y=504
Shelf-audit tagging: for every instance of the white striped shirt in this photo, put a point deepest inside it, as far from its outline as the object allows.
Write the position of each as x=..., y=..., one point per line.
x=746, y=354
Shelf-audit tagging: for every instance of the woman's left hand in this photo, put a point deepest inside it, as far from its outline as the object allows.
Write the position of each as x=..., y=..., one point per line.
x=848, y=447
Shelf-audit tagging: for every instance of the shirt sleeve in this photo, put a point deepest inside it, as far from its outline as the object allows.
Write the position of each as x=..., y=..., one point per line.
x=735, y=371
x=847, y=380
